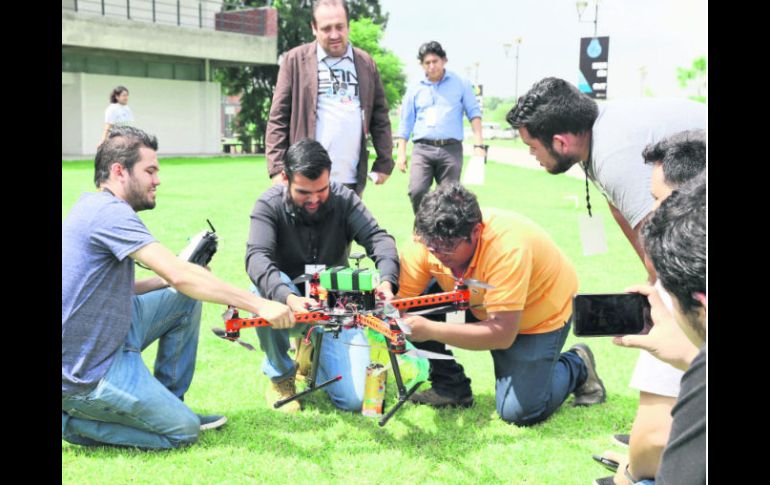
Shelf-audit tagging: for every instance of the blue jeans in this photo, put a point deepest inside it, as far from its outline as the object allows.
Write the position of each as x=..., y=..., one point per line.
x=346, y=356
x=533, y=377
x=131, y=407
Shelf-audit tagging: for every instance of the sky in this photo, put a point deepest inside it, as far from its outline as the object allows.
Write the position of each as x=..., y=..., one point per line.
x=655, y=35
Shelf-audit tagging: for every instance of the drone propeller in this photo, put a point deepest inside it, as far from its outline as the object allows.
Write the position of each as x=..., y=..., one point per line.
x=477, y=283
x=221, y=334
x=303, y=278
x=427, y=354
x=434, y=310
x=466, y=281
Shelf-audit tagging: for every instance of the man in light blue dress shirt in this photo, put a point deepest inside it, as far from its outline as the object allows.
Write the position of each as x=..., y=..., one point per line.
x=432, y=112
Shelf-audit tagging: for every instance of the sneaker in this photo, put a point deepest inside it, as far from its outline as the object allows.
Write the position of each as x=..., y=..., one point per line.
x=592, y=391
x=605, y=481
x=213, y=421
x=282, y=390
x=433, y=398
x=621, y=439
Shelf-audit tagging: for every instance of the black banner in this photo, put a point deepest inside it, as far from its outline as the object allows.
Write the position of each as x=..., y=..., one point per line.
x=594, y=52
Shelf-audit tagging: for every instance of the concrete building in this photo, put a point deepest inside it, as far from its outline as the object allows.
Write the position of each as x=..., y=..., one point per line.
x=164, y=52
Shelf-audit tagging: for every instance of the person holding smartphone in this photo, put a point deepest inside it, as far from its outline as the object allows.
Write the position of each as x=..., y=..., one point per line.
x=674, y=160
x=522, y=320
x=675, y=239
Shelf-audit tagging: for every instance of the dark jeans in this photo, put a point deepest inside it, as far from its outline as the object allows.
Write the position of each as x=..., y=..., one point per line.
x=533, y=377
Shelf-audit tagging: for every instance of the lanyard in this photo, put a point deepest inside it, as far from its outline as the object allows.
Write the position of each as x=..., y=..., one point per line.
x=585, y=170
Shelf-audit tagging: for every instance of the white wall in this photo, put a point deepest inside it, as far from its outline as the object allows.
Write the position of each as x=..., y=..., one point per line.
x=71, y=120
x=184, y=115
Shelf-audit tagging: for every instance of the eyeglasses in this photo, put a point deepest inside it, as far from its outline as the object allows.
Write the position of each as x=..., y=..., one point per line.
x=438, y=247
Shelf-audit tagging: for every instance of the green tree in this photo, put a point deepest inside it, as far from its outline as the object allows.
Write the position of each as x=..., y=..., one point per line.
x=256, y=84
x=694, y=76
x=366, y=35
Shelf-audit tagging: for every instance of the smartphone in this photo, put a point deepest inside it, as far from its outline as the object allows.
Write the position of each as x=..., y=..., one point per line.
x=603, y=315
x=611, y=465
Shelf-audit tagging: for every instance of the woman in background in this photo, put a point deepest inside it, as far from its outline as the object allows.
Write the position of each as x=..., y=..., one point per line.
x=118, y=112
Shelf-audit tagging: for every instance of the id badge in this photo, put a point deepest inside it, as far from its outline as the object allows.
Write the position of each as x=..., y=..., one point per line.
x=310, y=269
x=592, y=235
x=455, y=317
x=431, y=116
x=473, y=174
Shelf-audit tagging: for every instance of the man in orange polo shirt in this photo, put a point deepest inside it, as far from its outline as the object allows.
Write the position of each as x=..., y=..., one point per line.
x=522, y=321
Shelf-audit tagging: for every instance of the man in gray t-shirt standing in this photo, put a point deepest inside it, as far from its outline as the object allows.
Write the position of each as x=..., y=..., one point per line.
x=108, y=394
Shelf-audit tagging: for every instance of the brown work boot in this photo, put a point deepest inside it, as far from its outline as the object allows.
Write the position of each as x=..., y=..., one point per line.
x=433, y=398
x=592, y=390
x=304, y=360
x=282, y=390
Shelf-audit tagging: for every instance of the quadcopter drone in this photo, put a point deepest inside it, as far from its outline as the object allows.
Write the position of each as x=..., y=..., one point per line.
x=346, y=299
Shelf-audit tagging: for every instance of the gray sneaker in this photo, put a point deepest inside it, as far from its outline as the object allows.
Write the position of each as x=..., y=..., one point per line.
x=592, y=391
x=213, y=421
x=433, y=398
x=621, y=439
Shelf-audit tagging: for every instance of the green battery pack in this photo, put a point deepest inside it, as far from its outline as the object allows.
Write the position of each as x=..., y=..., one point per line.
x=349, y=279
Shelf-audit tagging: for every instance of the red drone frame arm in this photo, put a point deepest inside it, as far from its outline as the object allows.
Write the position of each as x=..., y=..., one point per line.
x=378, y=326
x=434, y=299
x=235, y=324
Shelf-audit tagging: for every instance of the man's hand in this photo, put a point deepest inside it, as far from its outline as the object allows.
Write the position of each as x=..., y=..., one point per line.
x=385, y=291
x=480, y=152
x=278, y=314
x=666, y=341
x=300, y=304
x=381, y=178
x=422, y=328
x=401, y=163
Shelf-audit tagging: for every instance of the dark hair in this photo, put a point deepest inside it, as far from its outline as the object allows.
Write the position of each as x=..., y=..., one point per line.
x=431, y=47
x=116, y=92
x=447, y=213
x=675, y=240
x=553, y=106
x=683, y=156
x=308, y=158
x=121, y=146
x=318, y=3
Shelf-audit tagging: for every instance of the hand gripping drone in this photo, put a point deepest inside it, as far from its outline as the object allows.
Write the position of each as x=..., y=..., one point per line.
x=346, y=298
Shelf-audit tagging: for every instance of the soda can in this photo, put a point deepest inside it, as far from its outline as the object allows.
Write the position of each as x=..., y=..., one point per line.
x=374, y=390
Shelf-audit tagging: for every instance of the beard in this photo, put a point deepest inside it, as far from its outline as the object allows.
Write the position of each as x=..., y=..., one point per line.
x=138, y=198
x=307, y=217
x=562, y=162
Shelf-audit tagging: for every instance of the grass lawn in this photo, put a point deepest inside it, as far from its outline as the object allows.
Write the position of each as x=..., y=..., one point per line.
x=322, y=444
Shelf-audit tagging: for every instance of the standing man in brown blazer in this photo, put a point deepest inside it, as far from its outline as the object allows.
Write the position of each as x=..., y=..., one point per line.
x=330, y=91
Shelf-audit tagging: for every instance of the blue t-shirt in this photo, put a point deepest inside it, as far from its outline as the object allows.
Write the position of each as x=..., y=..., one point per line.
x=97, y=275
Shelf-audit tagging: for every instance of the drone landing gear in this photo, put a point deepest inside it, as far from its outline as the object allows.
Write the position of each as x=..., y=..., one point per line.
x=312, y=387
x=403, y=394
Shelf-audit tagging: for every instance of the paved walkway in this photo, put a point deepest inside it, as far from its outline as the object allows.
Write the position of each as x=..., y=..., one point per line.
x=519, y=158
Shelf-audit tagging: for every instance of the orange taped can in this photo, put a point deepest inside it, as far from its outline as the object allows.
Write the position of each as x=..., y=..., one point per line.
x=374, y=390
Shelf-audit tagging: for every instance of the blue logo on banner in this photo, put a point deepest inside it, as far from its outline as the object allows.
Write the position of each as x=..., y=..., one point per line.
x=594, y=49
x=583, y=85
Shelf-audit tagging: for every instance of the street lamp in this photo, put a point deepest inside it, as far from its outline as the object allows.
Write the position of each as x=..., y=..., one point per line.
x=507, y=47
x=581, y=6
x=643, y=77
